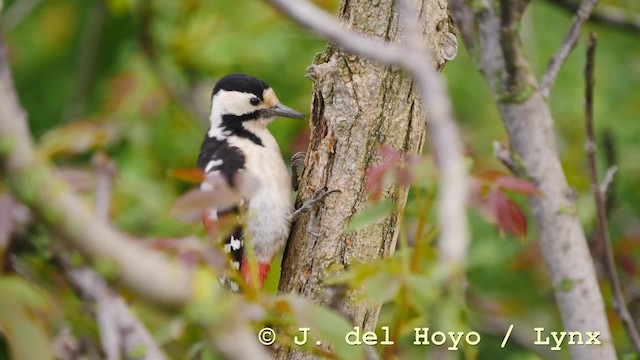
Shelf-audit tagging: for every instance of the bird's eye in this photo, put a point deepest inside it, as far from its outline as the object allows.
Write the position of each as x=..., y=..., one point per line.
x=254, y=101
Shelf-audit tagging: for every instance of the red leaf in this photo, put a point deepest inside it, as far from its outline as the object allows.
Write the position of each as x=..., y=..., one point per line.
x=517, y=185
x=478, y=199
x=375, y=178
x=189, y=175
x=509, y=216
x=394, y=163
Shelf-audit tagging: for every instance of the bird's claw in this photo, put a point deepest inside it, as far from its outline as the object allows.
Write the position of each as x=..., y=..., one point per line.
x=310, y=206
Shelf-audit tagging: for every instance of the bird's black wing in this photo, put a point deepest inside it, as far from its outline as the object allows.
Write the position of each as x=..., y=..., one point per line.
x=219, y=156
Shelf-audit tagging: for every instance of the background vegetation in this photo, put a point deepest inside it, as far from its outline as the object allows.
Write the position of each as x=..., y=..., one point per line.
x=133, y=79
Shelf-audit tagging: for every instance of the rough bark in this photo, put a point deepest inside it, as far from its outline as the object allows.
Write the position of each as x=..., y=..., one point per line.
x=357, y=105
x=529, y=124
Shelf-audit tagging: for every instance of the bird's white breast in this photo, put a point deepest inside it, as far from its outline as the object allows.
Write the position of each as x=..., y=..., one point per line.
x=270, y=206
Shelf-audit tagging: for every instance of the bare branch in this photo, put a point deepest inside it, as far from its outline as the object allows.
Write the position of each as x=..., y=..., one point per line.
x=32, y=180
x=569, y=42
x=105, y=173
x=18, y=12
x=453, y=240
x=620, y=303
x=119, y=329
x=465, y=22
x=504, y=155
x=529, y=124
x=318, y=20
x=510, y=15
x=606, y=14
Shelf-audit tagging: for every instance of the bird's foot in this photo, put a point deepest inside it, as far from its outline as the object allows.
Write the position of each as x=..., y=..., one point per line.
x=310, y=206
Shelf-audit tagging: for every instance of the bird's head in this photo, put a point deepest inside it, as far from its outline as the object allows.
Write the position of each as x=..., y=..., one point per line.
x=240, y=98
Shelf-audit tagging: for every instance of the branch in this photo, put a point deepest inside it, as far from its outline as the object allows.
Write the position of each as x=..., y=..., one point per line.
x=319, y=21
x=606, y=14
x=570, y=40
x=18, y=12
x=453, y=241
x=510, y=15
x=531, y=132
x=32, y=180
x=503, y=154
x=119, y=329
x=105, y=172
x=620, y=303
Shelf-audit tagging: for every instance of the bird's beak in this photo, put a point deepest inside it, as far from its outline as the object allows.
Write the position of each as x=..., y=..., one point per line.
x=282, y=111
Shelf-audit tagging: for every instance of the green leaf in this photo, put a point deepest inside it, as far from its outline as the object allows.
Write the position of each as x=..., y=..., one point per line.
x=421, y=293
x=382, y=287
x=371, y=215
x=20, y=304
x=332, y=328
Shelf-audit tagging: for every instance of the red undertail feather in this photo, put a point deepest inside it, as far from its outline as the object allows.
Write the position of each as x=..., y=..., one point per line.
x=263, y=270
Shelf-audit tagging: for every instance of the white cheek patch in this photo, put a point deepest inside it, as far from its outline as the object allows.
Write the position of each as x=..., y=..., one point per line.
x=232, y=102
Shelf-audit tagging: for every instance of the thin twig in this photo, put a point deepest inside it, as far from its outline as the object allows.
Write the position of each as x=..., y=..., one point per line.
x=510, y=14
x=620, y=303
x=606, y=14
x=453, y=241
x=319, y=21
x=105, y=172
x=570, y=40
x=504, y=156
x=17, y=13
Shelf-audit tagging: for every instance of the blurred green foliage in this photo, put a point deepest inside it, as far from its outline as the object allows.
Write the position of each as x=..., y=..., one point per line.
x=133, y=78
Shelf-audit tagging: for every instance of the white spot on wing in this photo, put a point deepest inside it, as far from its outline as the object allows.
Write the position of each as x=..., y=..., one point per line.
x=235, y=243
x=211, y=164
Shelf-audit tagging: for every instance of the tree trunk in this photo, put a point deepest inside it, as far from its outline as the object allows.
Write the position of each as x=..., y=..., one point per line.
x=357, y=105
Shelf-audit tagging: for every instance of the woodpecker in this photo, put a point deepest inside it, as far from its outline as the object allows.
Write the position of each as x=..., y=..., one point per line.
x=238, y=141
